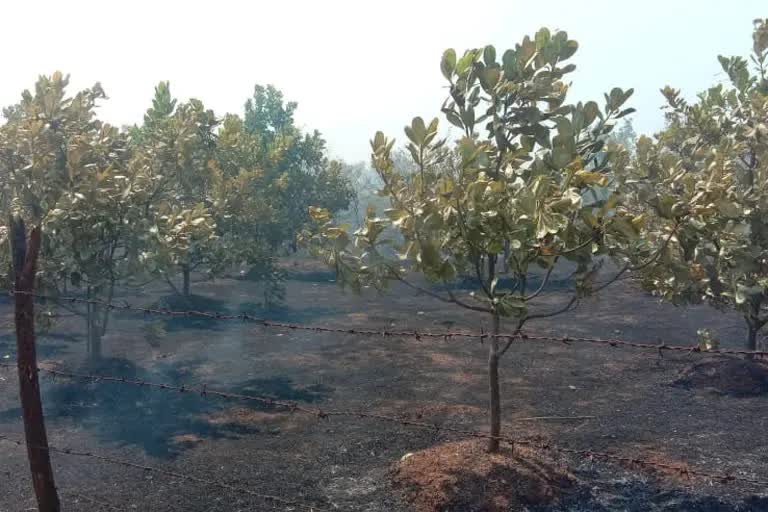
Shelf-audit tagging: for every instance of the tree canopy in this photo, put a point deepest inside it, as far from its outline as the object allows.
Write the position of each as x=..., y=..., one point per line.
x=184, y=191
x=705, y=178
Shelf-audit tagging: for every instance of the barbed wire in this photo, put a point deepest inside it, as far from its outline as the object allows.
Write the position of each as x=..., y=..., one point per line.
x=272, y=499
x=293, y=407
x=522, y=336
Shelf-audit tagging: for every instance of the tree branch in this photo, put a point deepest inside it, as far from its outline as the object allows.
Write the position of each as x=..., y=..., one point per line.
x=571, y=303
x=468, y=306
x=641, y=266
x=170, y=283
x=544, y=283
x=451, y=299
x=512, y=338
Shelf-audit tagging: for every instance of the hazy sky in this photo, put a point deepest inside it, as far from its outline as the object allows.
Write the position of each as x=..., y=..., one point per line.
x=356, y=66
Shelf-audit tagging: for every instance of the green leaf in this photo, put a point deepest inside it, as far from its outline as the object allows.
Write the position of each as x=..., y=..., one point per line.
x=468, y=117
x=490, y=77
x=454, y=118
x=509, y=63
x=465, y=62
x=591, y=112
x=564, y=127
x=489, y=55
x=729, y=209
x=625, y=112
x=541, y=133
x=419, y=130
x=448, y=63
x=542, y=38
x=568, y=50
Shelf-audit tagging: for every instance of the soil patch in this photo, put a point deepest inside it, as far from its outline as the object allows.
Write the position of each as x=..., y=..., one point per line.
x=461, y=476
x=736, y=377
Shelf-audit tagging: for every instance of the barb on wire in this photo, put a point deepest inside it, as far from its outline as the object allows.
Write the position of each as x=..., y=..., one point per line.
x=418, y=335
x=276, y=500
x=293, y=407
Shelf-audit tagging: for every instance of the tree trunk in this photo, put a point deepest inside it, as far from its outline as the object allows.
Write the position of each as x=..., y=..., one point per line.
x=92, y=329
x=751, y=337
x=186, y=284
x=24, y=264
x=493, y=381
x=94, y=335
x=88, y=323
x=507, y=252
x=753, y=325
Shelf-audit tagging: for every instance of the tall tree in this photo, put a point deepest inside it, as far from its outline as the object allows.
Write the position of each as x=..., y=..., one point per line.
x=294, y=162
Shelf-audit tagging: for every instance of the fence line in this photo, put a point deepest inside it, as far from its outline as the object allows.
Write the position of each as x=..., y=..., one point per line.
x=659, y=347
x=293, y=407
x=272, y=499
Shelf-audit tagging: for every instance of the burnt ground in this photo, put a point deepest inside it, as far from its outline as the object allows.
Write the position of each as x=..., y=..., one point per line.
x=643, y=405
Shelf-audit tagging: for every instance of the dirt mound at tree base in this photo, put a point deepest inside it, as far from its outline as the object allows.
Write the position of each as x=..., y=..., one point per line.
x=461, y=476
x=737, y=377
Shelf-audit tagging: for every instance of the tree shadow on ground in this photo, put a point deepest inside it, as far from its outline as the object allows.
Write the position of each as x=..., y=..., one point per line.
x=196, y=303
x=46, y=345
x=311, y=276
x=200, y=303
x=160, y=422
x=285, y=313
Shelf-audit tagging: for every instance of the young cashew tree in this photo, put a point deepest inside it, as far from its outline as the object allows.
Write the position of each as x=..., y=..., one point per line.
x=511, y=190
x=707, y=174
x=173, y=153
x=66, y=172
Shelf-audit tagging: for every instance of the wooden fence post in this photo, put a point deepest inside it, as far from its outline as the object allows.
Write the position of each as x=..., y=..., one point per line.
x=24, y=266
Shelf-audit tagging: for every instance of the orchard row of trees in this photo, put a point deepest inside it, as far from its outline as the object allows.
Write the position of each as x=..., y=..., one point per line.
x=186, y=191
x=536, y=186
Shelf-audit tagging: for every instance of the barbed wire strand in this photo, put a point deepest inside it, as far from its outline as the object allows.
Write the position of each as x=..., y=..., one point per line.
x=418, y=335
x=292, y=407
x=272, y=499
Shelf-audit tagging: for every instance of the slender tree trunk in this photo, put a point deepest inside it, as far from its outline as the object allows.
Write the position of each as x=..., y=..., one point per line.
x=753, y=325
x=507, y=251
x=24, y=264
x=88, y=324
x=493, y=381
x=751, y=337
x=493, y=368
x=95, y=333
x=93, y=329
x=186, y=276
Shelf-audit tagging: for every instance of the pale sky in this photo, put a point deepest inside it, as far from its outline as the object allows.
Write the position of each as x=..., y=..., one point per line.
x=357, y=66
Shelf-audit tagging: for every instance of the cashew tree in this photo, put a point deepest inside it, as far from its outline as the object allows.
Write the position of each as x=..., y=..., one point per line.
x=174, y=151
x=511, y=189
x=294, y=163
x=66, y=172
x=706, y=176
